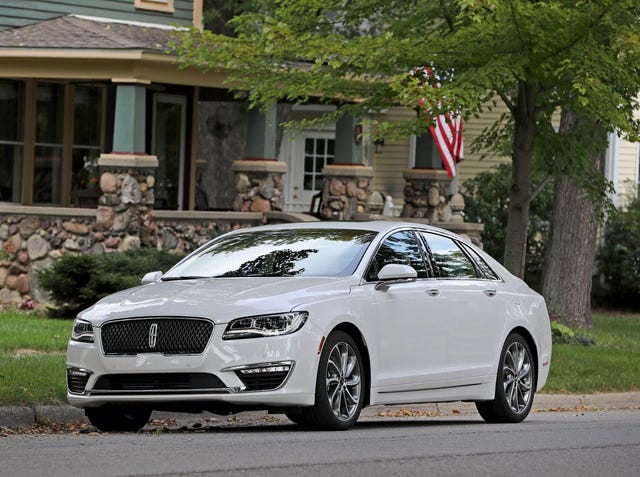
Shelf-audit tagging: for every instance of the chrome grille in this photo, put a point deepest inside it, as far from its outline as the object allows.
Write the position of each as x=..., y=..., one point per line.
x=156, y=335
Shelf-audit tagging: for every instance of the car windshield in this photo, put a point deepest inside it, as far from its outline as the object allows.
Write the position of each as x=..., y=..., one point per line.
x=296, y=252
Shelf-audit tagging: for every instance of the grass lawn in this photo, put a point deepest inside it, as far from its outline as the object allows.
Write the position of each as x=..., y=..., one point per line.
x=32, y=360
x=613, y=364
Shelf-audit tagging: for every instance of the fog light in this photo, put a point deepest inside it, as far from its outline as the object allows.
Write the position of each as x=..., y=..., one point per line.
x=77, y=379
x=268, y=369
x=263, y=376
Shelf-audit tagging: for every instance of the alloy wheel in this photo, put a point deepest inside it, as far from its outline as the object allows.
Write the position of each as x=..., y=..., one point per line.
x=517, y=375
x=344, y=381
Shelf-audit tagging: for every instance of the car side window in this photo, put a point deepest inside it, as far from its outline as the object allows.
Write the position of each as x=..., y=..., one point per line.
x=448, y=259
x=482, y=265
x=401, y=248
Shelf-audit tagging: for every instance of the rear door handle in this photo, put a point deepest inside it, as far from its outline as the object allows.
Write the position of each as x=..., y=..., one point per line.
x=489, y=292
x=433, y=292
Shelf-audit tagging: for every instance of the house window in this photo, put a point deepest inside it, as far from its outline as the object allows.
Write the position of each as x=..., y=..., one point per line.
x=318, y=152
x=87, y=132
x=47, y=169
x=11, y=140
x=156, y=5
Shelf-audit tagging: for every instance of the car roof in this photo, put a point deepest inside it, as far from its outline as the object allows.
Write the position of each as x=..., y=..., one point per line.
x=374, y=226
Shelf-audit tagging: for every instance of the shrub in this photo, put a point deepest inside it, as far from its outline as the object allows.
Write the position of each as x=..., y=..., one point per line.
x=487, y=201
x=619, y=257
x=75, y=282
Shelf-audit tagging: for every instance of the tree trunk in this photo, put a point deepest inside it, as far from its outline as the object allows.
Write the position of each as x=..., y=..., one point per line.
x=520, y=195
x=571, y=249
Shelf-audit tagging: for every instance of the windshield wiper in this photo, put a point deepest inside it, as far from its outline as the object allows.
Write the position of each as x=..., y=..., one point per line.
x=186, y=277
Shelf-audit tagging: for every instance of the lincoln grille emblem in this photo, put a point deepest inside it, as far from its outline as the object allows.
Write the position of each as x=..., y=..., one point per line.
x=153, y=335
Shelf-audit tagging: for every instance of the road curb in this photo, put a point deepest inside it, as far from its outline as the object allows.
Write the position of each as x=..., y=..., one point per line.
x=25, y=416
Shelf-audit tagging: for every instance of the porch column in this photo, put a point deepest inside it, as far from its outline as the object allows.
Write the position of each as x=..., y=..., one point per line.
x=346, y=182
x=258, y=177
x=427, y=155
x=124, y=219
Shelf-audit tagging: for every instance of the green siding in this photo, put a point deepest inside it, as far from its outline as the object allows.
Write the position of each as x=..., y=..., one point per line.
x=26, y=12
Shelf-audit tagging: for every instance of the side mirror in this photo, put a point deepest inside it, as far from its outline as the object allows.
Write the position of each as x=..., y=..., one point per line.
x=151, y=277
x=395, y=273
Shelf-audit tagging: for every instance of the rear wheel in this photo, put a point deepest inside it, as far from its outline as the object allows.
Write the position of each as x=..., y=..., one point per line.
x=515, y=384
x=339, y=385
x=118, y=418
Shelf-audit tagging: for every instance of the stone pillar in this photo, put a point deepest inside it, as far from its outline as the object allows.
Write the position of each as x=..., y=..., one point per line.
x=124, y=219
x=346, y=191
x=259, y=185
x=425, y=195
x=258, y=177
x=347, y=181
x=426, y=200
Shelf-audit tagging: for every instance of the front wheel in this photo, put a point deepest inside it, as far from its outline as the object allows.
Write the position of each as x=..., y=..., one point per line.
x=339, y=385
x=118, y=418
x=515, y=384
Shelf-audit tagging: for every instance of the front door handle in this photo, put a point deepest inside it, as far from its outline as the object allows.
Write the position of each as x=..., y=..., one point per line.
x=489, y=292
x=433, y=292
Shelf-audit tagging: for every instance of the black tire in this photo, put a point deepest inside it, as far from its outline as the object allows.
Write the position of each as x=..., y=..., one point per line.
x=298, y=418
x=343, y=381
x=515, y=384
x=118, y=418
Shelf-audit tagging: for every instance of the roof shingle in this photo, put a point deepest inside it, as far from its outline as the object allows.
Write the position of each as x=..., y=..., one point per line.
x=81, y=33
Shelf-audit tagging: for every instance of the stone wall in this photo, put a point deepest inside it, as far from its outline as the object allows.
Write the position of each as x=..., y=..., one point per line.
x=32, y=238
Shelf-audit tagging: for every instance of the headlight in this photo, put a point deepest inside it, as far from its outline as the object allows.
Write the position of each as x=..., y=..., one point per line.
x=82, y=331
x=266, y=325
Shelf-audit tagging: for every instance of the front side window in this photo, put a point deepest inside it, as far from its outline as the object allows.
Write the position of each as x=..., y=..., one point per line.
x=448, y=259
x=399, y=248
x=11, y=140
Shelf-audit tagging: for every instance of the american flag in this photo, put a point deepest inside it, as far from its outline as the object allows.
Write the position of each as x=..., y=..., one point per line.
x=446, y=131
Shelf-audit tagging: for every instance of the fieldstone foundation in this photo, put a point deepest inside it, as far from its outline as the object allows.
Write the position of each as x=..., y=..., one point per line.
x=346, y=191
x=259, y=185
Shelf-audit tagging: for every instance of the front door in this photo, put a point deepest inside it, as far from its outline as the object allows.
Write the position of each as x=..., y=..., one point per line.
x=169, y=130
x=306, y=154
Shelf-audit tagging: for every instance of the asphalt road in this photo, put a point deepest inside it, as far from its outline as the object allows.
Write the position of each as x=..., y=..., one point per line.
x=596, y=443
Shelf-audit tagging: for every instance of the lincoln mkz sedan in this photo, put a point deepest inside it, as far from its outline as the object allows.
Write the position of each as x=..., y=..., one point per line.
x=316, y=321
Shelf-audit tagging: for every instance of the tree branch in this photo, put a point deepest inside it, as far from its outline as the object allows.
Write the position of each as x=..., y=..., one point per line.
x=541, y=186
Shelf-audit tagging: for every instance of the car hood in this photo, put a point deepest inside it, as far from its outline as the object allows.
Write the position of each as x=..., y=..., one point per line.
x=219, y=299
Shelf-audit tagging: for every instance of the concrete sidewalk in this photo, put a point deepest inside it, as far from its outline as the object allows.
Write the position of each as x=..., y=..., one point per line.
x=22, y=416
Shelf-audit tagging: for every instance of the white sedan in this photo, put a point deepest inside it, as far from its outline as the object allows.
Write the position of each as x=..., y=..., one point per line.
x=314, y=320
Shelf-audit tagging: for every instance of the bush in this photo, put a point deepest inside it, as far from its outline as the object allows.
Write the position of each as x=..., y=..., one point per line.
x=487, y=201
x=619, y=257
x=76, y=282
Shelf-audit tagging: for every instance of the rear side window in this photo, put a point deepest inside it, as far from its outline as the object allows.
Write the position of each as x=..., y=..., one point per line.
x=401, y=248
x=448, y=259
x=482, y=265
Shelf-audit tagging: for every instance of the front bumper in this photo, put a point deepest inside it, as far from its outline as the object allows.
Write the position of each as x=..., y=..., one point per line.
x=271, y=372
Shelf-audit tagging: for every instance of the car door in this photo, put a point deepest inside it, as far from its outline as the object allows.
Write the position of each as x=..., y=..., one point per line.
x=411, y=344
x=475, y=306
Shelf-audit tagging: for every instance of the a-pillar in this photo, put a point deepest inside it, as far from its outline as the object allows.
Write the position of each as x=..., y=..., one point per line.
x=258, y=177
x=347, y=181
x=125, y=209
